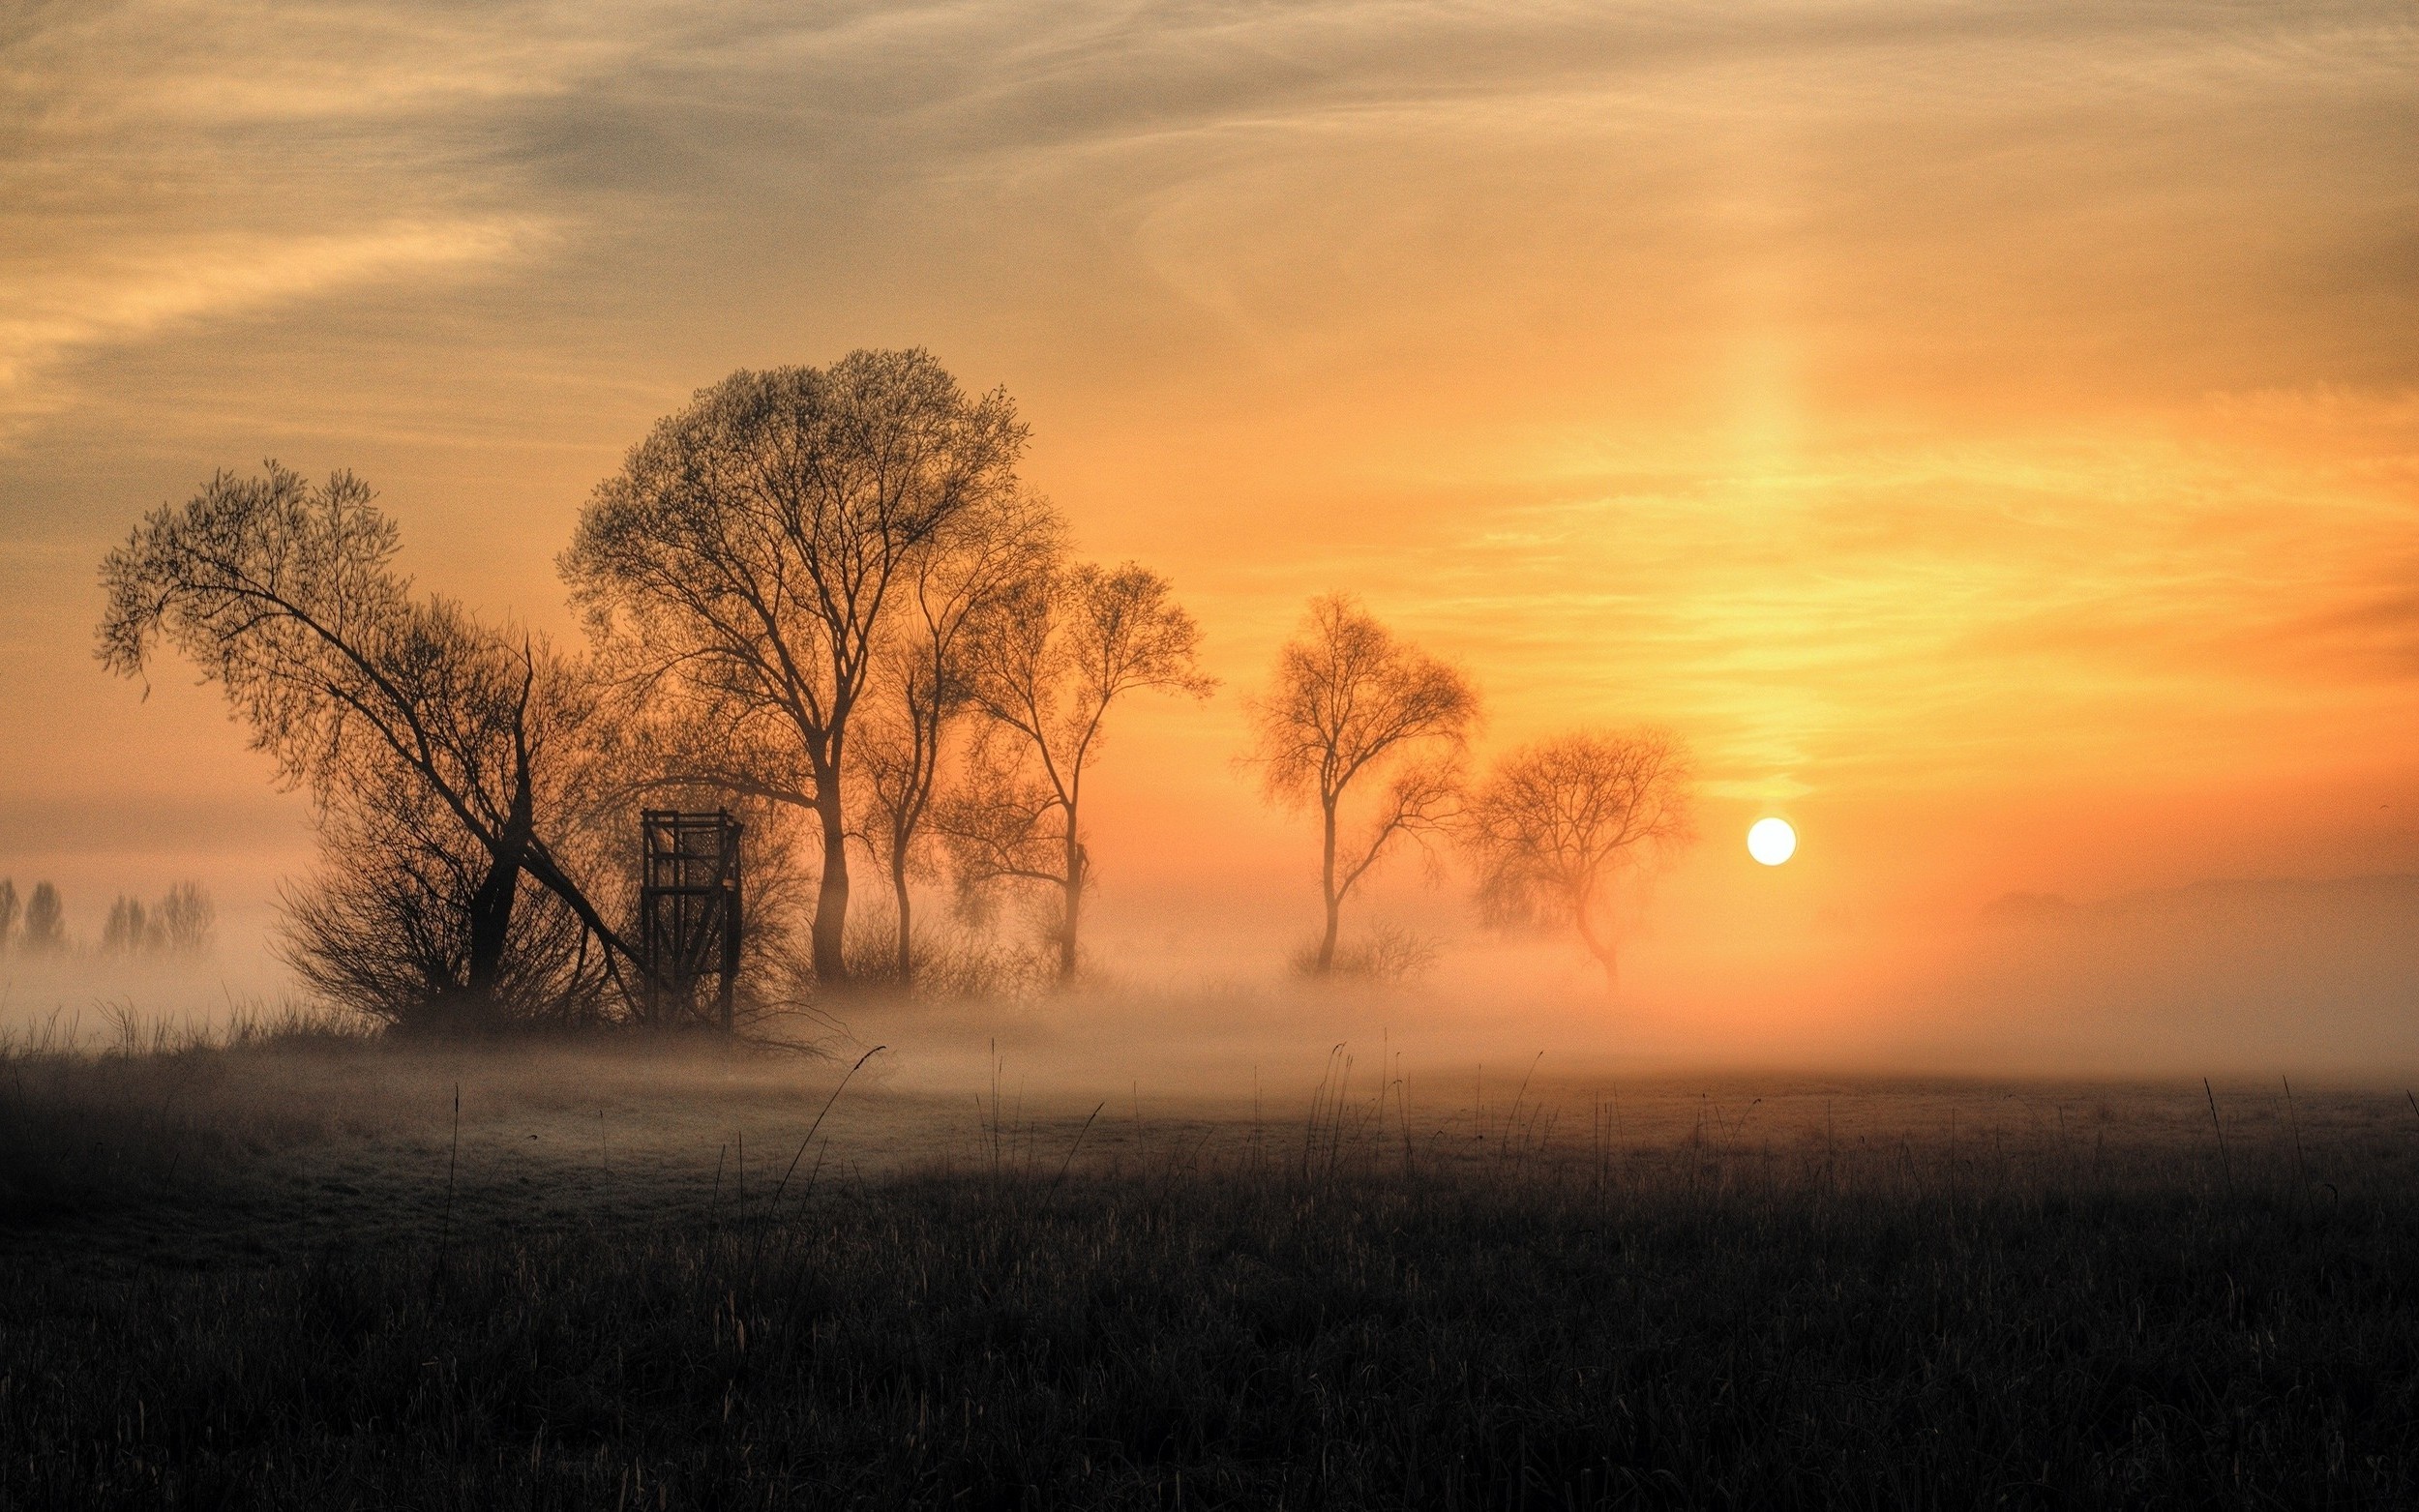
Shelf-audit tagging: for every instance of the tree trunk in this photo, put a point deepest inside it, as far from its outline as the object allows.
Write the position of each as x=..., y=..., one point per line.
x=1326, y=888
x=1074, y=899
x=899, y=895
x=491, y=926
x=1600, y=946
x=831, y=900
x=492, y=905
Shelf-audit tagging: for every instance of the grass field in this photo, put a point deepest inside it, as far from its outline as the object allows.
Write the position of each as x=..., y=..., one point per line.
x=287, y=1274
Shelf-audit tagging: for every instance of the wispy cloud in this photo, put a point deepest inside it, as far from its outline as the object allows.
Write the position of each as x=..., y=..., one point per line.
x=134, y=293
x=170, y=163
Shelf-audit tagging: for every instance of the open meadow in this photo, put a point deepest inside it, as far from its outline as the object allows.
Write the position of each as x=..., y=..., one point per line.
x=284, y=1271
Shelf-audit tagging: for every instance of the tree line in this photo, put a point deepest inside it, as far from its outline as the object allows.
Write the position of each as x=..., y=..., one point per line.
x=823, y=598
x=179, y=923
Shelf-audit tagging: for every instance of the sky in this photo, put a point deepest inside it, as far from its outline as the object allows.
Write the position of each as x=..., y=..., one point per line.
x=1988, y=434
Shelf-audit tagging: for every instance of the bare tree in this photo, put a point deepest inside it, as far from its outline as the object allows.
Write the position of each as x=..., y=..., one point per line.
x=1556, y=820
x=1049, y=663
x=186, y=916
x=44, y=932
x=178, y=924
x=1349, y=701
x=130, y=930
x=980, y=560
x=9, y=910
x=744, y=563
x=388, y=925
x=287, y=597
x=897, y=751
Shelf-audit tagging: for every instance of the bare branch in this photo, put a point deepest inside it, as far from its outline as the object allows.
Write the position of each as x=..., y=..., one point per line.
x=1557, y=819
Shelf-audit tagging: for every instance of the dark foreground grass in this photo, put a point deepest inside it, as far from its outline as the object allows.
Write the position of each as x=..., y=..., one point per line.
x=1684, y=1328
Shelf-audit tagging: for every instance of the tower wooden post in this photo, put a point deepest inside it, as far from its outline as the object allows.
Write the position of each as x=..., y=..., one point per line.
x=689, y=915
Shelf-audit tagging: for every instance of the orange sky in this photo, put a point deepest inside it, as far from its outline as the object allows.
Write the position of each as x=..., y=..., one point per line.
x=1990, y=434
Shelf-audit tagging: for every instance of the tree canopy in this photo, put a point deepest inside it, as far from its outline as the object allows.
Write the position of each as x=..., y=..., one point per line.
x=745, y=565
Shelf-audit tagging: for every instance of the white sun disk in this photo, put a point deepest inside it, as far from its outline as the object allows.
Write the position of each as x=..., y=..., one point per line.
x=1772, y=840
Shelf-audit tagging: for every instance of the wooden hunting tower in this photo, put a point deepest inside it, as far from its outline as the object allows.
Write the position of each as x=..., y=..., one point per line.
x=689, y=915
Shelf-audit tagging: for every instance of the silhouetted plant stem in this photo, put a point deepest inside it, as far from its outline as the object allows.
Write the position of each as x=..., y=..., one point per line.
x=1072, y=1148
x=453, y=1159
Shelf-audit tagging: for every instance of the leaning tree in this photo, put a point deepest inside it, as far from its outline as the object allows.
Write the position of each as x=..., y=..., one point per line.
x=396, y=914
x=287, y=597
x=741, y=573
x=1556, y=822
x=1351, y=701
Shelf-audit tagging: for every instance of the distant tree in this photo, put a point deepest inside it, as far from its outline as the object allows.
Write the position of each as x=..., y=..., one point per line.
x=287, y=597
x=1050, y=661
x=9, y=910
x=983, y=558
x=744, y=563
x=1349, y=701
x=130, y=930
x=178, y=924
x=185, y=918
x=45, y=931
x=1557, y=820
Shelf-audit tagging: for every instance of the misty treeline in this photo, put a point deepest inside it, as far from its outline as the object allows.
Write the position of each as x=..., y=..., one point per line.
x=825, y=600
x=177, y=924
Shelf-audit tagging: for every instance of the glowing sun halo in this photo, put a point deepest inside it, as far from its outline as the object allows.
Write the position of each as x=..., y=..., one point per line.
x=1772, y=840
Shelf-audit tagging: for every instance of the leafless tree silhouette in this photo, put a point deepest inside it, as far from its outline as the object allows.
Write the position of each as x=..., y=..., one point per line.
x=745, y=561
x=385, y=925
x=1349, y=701
x=45, y=931
x=1046, y=666
x=129, y=929
x=9, y=910
x=186, y=916
x=1556, y=820
x=986, y=556
x=287, y=597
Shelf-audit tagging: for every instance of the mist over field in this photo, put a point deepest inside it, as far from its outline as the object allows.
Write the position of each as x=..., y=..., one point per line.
x=2242, y=979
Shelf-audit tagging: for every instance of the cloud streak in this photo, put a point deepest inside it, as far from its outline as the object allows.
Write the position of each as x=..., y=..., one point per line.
x=143, y=293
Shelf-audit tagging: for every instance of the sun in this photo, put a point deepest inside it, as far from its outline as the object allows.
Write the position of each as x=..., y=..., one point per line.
x=1772, y=840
